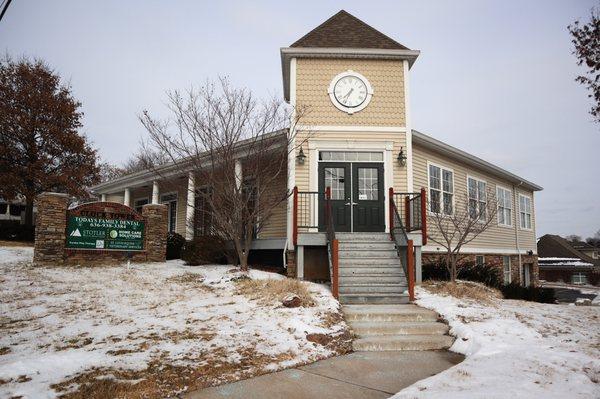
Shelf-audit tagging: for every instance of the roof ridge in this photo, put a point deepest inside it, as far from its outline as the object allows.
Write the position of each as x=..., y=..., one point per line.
x=314, y=33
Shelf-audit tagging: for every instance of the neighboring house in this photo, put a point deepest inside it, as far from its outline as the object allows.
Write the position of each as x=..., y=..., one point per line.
x=360, y=143
x=587, y=249
x=13, y=211
x=561, y=260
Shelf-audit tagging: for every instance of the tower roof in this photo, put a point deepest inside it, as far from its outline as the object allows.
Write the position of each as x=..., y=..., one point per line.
x=344, y=30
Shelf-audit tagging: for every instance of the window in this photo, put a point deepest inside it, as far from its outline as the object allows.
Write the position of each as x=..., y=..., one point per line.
x=578, y=278
x=477, y=198
x=351, y=156
x=504, y=198
x=368, y=184
x=171, y=201
x=441, y=190
x=506, y=268
x=139, y=203
x=479, y=260
x=3, y=208
x=334, y=178
x=525, y=212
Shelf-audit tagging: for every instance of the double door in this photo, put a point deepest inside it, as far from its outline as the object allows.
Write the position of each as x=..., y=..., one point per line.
x=357, y=195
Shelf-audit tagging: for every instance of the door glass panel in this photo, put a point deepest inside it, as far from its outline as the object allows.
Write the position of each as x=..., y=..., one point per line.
x=368, y=184
x=334, y=178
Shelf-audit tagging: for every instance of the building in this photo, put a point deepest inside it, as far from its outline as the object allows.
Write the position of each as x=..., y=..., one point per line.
x=358, y=146
x=564, y=261
x=13, y=211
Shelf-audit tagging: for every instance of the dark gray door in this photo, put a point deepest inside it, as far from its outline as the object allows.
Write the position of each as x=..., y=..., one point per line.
x=336, y=175
x=367, y=195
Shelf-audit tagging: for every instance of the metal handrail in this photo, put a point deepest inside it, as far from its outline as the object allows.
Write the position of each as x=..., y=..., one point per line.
x=332, y=244
x=404, y=246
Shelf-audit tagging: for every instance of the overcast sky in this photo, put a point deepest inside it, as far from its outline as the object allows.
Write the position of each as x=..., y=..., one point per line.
x=495, y=78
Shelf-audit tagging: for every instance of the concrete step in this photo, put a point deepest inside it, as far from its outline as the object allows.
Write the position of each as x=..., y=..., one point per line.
x=402, y=342
x=374, y=299
x=370, y=254
x=372, y=288
x=371, y=270
x=369, y=262
x=343, y=237
x=370, y=328
x=380, y=278
x=367, y=245
x=404, y=313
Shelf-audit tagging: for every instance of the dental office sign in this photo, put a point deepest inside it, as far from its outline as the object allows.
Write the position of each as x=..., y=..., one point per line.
x=93, y=228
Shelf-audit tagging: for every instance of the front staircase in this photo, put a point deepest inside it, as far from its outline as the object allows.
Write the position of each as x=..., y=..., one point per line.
x=374, y=293
x=370, y=271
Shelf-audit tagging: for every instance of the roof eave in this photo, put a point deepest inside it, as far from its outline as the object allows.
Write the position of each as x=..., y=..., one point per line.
x=287, y=53
x=462, y=156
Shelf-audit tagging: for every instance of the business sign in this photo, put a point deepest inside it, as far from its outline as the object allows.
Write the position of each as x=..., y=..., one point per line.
x=105, y=229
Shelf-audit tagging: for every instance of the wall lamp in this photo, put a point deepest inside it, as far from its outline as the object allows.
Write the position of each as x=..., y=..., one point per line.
x=401, y=157
x=300, y=158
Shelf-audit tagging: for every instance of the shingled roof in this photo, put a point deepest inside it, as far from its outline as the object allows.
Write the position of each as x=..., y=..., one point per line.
x=345, y=30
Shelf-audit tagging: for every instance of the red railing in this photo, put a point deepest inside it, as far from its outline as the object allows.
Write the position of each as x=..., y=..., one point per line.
x=332, y=243
x=404, y=246
x=413, y=208
x=295, y=217
x=410, y=268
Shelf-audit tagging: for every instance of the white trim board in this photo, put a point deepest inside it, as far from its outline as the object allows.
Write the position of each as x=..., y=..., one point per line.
x=485, y=251
x=345, y=129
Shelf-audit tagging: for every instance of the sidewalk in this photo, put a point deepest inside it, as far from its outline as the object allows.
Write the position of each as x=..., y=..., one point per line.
x=362, y=375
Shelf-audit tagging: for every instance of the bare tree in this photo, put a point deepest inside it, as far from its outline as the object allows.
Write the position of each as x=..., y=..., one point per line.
x=455, y=225
x=215, y=131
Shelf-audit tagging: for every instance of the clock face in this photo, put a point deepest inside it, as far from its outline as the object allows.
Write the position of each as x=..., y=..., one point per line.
x=350, y=91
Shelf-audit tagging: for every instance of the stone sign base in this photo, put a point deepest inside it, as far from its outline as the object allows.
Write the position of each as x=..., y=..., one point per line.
x=50, y=235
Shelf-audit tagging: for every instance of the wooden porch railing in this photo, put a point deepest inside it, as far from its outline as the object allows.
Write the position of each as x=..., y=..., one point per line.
x=404, y=246
x=413, y=209
x=303, y=216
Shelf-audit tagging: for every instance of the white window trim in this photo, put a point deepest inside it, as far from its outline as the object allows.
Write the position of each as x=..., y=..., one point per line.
x=478, y=179
x=530, y=215
x=512, y=209
x=442, y=168
x=176, y=208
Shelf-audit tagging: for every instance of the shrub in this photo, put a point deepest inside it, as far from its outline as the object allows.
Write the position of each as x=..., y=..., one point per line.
x=175, y=243
x=13, y=230
x=486, y=274
x=534, y=294
x=204, y=250
x=435, y=271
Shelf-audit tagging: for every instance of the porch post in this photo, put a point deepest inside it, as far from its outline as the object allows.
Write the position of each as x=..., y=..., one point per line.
x=127, y=197
x=155, y=192
x=191, y=207
x=300, y=263
x=238, y=174
x=418, y=265
x=103, y=198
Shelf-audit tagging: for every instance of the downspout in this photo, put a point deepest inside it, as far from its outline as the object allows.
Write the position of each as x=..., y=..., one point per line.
x=517, y=221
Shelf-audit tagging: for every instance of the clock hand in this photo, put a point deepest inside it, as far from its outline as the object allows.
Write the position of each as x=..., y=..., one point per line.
x=348, y=94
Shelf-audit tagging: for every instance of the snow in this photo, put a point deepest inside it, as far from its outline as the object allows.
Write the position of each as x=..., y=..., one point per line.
x=515, y=349
x=58, y=323
x=573, y=262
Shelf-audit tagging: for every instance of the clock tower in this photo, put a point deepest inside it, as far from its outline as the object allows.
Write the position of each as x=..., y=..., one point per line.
x=350, y=83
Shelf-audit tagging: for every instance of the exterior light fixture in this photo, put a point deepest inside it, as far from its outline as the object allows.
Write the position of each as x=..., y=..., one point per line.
x=401, y=157
x=300, y=157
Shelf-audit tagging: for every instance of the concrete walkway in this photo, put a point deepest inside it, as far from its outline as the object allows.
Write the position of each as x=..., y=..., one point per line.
x=362, y=375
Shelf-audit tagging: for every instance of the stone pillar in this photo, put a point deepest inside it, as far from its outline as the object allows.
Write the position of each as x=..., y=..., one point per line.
x=156, y=232
x=103, y=198
x=191, y=207
x=50, y=229
x=155, y=192
x=127, y=197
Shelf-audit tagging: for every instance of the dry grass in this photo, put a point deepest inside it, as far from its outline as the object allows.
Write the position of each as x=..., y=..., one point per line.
x=463, y=289
x=274, y=291
x=5, y=243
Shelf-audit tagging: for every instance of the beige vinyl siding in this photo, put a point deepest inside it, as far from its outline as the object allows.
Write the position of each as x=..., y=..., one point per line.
x=398, y=140
x=275, y=226
x=496, y=237
x=115, y=198
x=386, y=77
